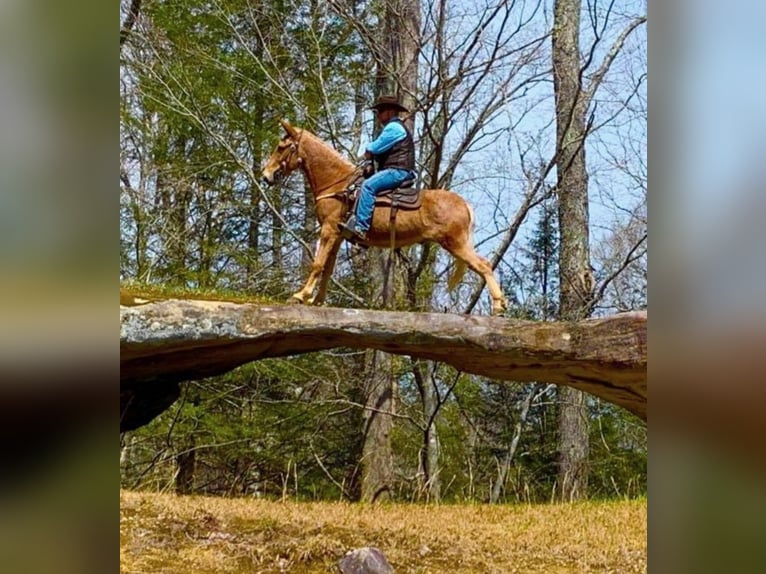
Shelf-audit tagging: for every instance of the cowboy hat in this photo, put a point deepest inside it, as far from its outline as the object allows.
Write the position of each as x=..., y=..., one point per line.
x=388, y=102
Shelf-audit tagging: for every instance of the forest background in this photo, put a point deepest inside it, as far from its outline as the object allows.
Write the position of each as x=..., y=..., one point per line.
x=203, y=85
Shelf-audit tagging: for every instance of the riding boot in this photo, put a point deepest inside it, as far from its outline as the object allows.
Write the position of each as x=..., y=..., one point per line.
x=349, y=231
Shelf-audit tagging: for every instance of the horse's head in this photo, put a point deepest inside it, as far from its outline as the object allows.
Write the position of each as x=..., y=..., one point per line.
x=286, y=156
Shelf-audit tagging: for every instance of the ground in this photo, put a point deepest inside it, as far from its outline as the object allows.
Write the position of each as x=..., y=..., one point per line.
x=164, y=533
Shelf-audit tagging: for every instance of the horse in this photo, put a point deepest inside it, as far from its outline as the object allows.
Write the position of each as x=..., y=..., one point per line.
x=443, y=217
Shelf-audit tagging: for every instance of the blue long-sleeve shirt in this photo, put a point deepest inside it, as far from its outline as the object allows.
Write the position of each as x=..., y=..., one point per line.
x=391, y=133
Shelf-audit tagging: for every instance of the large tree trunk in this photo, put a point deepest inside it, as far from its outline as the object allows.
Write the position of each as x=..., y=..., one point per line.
x=166, y=342
x=573, y=445
x=129, y=21
x=377, y=455
x=404, y=19
x=575, y=279
x=396, y=61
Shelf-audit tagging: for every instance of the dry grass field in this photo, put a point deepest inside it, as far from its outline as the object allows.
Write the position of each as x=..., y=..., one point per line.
x=166, y=534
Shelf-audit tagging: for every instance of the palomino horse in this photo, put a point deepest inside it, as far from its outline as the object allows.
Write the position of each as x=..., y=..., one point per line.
x=443, y=217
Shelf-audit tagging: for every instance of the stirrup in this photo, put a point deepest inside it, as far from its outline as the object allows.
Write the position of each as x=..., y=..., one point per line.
x=348, y=229
x=353, y=236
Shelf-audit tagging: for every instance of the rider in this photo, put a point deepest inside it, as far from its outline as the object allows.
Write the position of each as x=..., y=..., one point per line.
x=394, y=152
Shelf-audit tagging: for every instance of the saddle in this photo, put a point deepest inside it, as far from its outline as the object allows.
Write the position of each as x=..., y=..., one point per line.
x=406, y=196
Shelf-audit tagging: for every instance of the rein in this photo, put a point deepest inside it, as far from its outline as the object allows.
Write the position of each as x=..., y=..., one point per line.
x=354, y=174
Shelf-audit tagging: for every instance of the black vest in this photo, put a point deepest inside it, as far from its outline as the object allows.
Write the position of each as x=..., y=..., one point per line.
x=401, y=155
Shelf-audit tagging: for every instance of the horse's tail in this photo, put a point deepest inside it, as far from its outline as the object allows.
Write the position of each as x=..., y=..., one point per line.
x=460, y=265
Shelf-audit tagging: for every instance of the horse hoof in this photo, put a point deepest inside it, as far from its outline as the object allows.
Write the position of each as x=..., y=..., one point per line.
x=293, y=300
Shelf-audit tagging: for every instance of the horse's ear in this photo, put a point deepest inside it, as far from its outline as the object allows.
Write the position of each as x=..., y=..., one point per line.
x=291, y=131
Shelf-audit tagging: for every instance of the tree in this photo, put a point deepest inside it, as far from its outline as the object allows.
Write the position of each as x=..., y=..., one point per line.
x=396, y=58
x=575, y=277
x=576, y=281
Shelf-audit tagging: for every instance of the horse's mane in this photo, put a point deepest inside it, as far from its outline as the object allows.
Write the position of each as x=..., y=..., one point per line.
x=332, y=158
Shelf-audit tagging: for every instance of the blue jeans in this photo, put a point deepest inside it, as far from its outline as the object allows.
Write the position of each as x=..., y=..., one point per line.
x=389, y=178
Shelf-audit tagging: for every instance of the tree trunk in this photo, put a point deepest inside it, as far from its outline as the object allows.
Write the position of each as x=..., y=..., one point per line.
x=398, y=67
x=377, y=455
x=254, y=224
x=277, y=233
x=396, y=60
x=429, y=454
x=575, y=279
x=130, y=20
x=186, y=463
x=573, y=445
x=505, y=466
x=403, y=21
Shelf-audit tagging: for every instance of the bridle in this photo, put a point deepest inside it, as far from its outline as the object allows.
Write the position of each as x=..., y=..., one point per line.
x=294, y=146
x=353, y=176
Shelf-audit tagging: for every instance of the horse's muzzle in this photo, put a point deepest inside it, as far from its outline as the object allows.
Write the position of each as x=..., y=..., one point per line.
x=275, y=178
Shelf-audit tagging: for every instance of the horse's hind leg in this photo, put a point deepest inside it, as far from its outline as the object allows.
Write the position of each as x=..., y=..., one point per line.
x=466, y=253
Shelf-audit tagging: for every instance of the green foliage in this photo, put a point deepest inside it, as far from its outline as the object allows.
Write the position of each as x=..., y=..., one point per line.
x=535, y=286
x=259, y=430
x=294, y=427
x=618, y=453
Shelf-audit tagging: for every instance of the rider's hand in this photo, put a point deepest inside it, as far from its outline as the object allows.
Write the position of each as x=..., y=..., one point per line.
x=368, y=169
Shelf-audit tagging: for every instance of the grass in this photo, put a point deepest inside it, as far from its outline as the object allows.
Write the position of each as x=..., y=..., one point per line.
x=163, y=533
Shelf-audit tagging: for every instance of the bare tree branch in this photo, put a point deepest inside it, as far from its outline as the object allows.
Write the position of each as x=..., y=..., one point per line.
x=630, y=257
x=598, y=76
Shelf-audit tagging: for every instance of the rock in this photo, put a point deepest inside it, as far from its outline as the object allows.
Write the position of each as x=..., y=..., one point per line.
x=367, y=560
x=167, y=342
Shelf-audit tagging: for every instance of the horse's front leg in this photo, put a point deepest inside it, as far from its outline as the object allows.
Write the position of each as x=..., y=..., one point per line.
x=329, y=241
x=327, y=273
